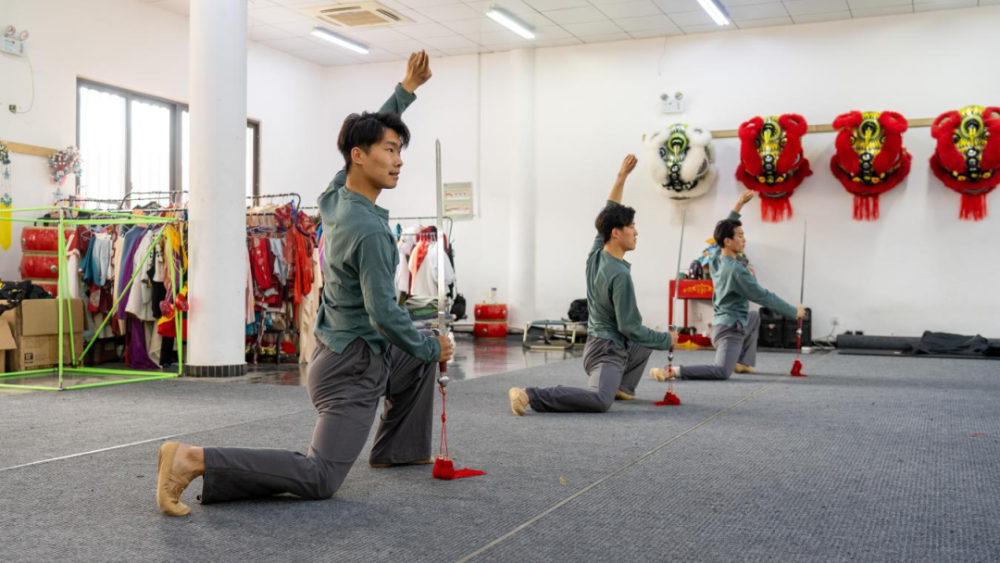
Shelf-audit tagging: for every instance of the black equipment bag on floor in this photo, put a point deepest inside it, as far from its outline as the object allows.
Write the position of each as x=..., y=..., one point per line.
x=772, y=333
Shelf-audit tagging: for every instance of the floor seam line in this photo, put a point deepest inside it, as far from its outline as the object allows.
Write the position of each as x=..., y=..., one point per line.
x=150, y=440
x=614, y=472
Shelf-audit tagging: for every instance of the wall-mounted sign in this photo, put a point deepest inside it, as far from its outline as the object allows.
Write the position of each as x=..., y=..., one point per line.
x=458, y=200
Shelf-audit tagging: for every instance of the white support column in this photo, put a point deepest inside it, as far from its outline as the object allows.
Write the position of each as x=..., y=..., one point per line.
x=218, y=97
x=521, y=262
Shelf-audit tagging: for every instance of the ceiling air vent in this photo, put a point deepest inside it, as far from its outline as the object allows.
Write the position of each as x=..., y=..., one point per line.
x=361, y=14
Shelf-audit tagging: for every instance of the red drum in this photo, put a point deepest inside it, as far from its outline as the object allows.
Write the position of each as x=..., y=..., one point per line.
x=491, y=330
x=491, y=312
x=42, y=266
x=41, y=239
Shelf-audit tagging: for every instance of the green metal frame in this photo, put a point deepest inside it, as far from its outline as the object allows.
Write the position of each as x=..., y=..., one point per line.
x=75, y=368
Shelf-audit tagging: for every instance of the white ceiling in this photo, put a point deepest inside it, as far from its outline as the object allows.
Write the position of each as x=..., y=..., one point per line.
x=460, y=27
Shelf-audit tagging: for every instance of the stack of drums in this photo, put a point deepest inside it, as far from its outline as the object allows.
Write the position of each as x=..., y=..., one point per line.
x=491, y=320
x=40, y=257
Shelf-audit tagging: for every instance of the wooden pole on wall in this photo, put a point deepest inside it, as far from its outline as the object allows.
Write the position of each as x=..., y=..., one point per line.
x=30, y=150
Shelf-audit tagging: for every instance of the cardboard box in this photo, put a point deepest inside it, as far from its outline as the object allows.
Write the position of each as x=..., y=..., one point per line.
x=6, y=343
x=35, y=327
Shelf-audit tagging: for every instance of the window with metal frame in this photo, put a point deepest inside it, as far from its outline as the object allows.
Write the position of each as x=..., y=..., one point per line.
x=134, y=143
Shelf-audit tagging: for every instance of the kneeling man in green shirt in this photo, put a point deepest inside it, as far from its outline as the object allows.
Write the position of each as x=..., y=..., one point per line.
x=734, y=326
x=618, y=345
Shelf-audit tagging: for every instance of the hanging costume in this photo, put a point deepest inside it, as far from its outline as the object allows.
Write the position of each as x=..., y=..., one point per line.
x=870, y=158
x=967, y=157
x=772, y=162
x=681, y=160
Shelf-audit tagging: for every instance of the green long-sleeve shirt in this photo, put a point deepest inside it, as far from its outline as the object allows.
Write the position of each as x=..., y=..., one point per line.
x=613, y=313
x=360, y=260
x=735, y=287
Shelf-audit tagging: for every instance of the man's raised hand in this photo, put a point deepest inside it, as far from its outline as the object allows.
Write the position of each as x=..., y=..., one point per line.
x=628, y=165
x=418, y=71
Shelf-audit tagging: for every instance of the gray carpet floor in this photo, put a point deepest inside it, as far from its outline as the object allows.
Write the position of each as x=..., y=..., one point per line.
x=868, y=459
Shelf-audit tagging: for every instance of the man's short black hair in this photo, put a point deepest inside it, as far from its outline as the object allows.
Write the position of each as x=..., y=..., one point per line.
x=613, y=217
x=368, y=129
x=725, y=229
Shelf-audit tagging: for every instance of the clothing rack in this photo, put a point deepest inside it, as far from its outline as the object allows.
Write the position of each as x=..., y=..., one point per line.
x=298, y=198
x=448, y=220
x=148, y=196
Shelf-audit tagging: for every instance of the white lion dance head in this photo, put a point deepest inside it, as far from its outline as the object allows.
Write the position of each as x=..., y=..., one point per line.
x=682, y=159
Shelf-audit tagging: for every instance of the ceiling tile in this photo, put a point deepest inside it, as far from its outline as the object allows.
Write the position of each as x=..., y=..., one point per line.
x=563, y=42
x=883, y=11
x=600, y=3
x=607, y=38
x=278, y=14
x=467, y=51
x=380, y=56
x=922, y=6
x=425, y=30
x=453, y=42
x=767, y=22
x=299, y=29
x=666, y=32
x=630, y=10
x=376, y=35
x=827, y=17
x=758, y=12
x=944, y=5
x=478, y=25
x=671, y=6
x=327, y=57
x=546, y=5
x=292, y=3
x=176, y=6
x=417, y=4
x=594, y=28
x=258, y=4
x=732, y=3
x=576, y=15
x=290, y=44
x=551, y=32
x=686, y=19
x=449, y=13
x=267, y=33
x=712, y=28
x=404, y=47
x=646, y=23
x=498, y=38
x=416, y=16
x=867, y=4
x=805, y=7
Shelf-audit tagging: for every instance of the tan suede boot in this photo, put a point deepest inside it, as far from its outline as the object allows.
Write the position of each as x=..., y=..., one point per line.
x=518, y=401
x=740, y=368
x=623, y=396
x=170, y=485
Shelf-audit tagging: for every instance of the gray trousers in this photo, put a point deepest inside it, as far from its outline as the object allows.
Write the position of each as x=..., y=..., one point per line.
x=733, y=344
x=611, y=366
x=345, y=389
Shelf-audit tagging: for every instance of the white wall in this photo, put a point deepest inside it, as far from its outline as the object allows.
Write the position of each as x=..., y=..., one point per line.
x=917, y=268
x=143, y=48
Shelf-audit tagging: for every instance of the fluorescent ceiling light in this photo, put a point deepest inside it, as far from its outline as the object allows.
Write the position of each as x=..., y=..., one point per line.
x=714, y=11
x=510, y=21
x=344, y=42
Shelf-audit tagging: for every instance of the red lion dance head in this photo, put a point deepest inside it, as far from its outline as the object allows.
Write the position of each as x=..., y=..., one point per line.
x=967, y=157
x=772, y=163
x=870, y=158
